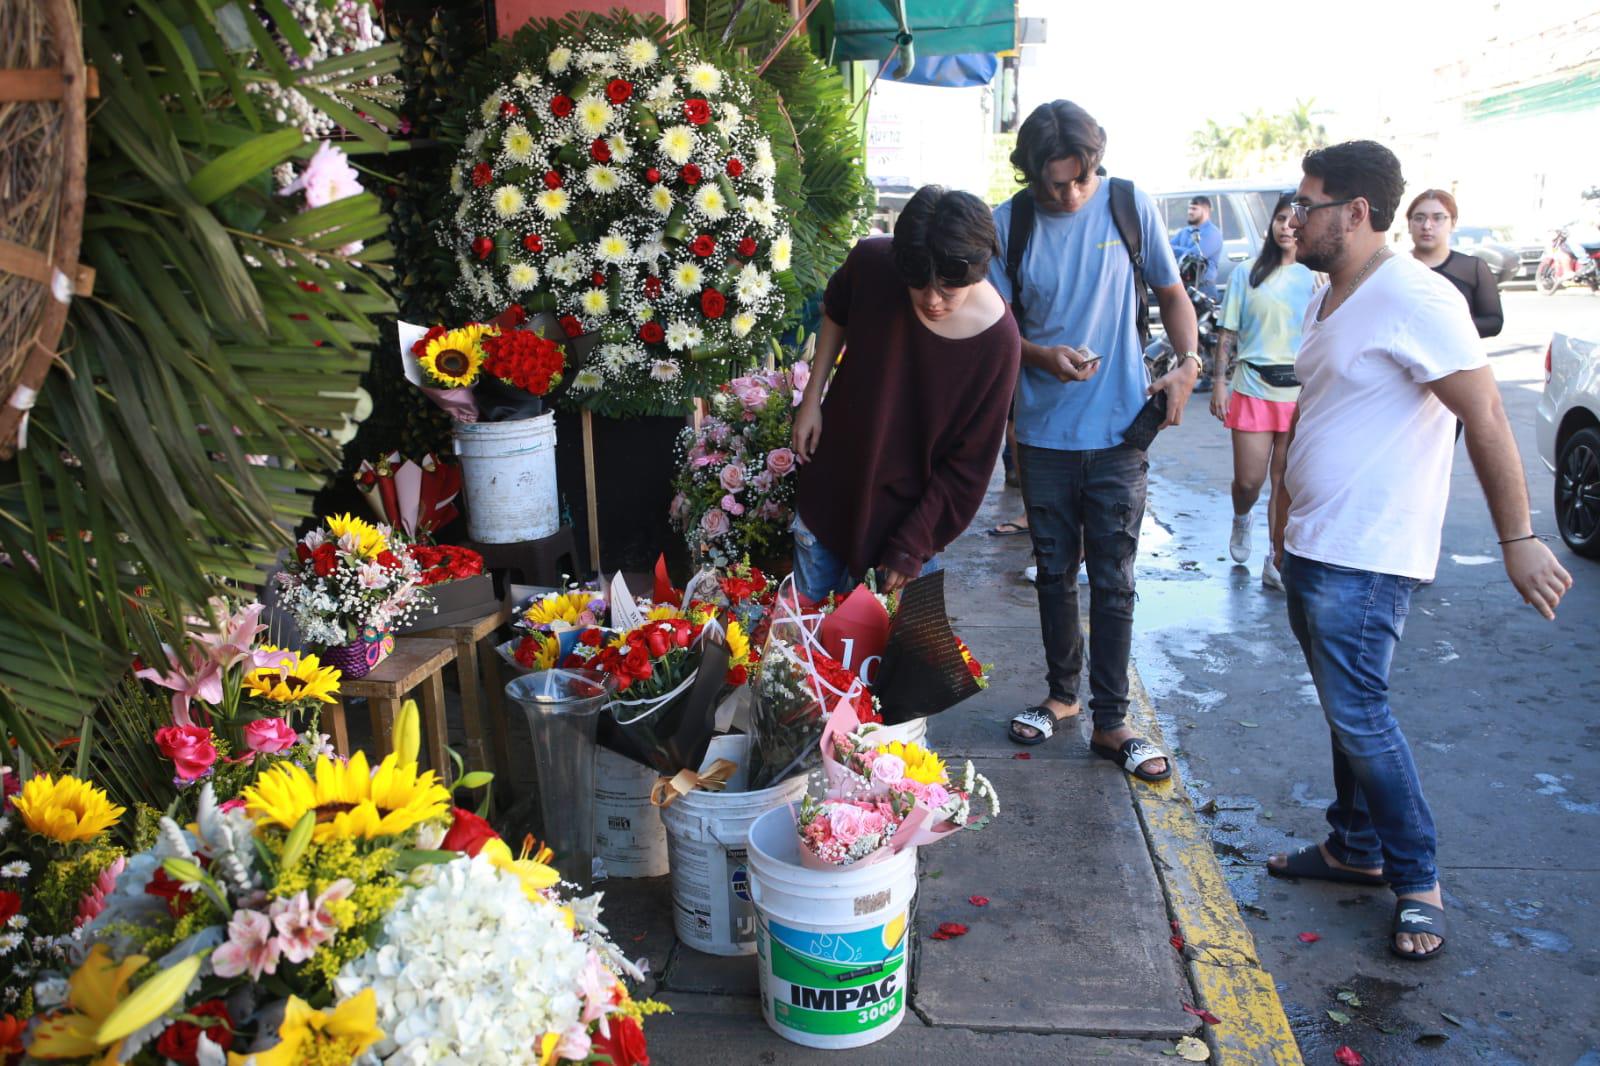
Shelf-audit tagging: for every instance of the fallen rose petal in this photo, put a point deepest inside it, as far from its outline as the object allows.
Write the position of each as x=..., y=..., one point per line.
x=1022, y=755
x=938, y=936
x=1177, y=942
x=978, y=901
x=1309, y=938
x=952, y=929
x=1204, y=1015
x=1348, y=1056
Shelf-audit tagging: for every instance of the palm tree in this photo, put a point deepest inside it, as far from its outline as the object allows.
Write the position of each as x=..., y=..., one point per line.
x=1258, y=142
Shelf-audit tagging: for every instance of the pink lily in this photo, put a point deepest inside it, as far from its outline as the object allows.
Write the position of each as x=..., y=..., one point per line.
x=200, y=680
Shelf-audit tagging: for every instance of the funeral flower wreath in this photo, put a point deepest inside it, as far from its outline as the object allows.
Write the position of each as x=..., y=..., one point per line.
x=622, y=183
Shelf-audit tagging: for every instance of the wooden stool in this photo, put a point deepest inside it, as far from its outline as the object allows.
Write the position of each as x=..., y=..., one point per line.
x=415, y=661
x=475, y=648
x=538, y=562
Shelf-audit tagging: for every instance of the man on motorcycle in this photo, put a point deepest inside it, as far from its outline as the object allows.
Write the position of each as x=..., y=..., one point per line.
x=1201, y=237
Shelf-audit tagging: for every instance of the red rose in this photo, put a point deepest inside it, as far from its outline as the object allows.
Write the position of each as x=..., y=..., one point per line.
x=190, y=749
x=571, y=326
x=302, y=552
x=552, y=180
x=652, y=288
x=652, y=333
x=738, y=676
x=590, y=637
x=652, y=175
x=533, y=242
x=508, y=109
x=600, y=151
x=514, y=316
x=618, y=91
x=10, y=907
x=482, y=174
x=483, y=247
x=747, y=247
x=658, y=642
x=388, y=560
x=625, y=1045
x=697, y=111
x=713, y=304
x=703, y=245
x=561, y=106
x=468, y=833
x=309, y=286
x=734, y=167
x=181, y=1040
x=690, y=174
x=325, y=560
x=637, y=663
x=598, y=278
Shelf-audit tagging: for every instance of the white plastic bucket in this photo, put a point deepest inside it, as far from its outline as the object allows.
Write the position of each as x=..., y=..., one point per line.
x=831, y=944
x=508, y=472
x=706, y=834
x=628, y=836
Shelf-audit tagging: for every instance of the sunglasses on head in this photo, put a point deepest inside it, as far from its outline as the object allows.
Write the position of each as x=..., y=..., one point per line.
x=919, y=268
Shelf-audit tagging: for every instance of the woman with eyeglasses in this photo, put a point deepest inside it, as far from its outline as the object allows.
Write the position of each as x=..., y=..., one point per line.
x=896, y=459
x=1260, y=325
x=1432, y=217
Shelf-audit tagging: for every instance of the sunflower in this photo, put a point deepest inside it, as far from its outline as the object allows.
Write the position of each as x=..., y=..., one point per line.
x=338, y=1034
x=453, y=359
x=350, y=800
x=303, y=678
x=738, y=645
x=563, y=607
x=66, y=809
x=921, y=764
x=370, y=541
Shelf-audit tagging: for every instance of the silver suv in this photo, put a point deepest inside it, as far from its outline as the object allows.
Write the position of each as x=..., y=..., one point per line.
x=1241, y=210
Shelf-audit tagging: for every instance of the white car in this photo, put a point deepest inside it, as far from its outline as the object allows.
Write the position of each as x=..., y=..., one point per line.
x=1569, y=438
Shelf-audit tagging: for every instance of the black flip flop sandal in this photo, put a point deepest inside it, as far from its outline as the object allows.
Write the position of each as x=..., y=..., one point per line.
x=1038, y=718
x=1007, y=529
x=1132, y=754
x=1415, y=916
x=1308, y=863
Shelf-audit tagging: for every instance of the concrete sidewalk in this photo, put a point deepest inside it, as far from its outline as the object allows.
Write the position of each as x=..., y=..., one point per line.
x=1089, y=875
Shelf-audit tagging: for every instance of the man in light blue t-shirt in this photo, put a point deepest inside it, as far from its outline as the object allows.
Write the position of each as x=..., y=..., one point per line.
x=1200, y=237
x=1083, y=382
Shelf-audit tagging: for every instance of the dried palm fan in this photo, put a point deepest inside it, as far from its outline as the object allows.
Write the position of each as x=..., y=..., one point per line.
x=43, y=152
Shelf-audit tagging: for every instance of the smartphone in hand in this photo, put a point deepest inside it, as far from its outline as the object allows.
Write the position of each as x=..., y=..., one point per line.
x=1087, y=357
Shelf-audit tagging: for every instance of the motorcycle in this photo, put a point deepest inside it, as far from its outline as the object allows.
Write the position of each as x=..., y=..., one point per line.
x=1159, y=353
x=1564, y=264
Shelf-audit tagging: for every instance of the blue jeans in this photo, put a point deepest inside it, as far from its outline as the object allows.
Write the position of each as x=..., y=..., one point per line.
x=1349, y=623
x=818, y=572
x=1087, y=502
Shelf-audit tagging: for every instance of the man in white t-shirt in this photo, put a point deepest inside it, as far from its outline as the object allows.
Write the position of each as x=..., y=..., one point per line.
x=1389, y=359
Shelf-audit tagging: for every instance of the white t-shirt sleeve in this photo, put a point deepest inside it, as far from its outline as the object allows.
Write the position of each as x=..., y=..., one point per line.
x=1438, y=338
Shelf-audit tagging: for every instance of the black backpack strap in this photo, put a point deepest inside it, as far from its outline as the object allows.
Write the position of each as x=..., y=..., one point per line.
x=1017, y=237
x=1125, y=213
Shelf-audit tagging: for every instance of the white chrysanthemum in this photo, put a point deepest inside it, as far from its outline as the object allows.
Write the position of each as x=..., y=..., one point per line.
x=616, y=358
x=661, y=199
x=509, y=201
x=664, y=370
x=587, y=380
x=522, y=277
x=474, y=141
x=490, y=107
x=613, y=248
x=704, y=78
x=595, y=59
x=710, y=202
x=565, y=268
x=525, y=80
x=621, y=150
x=519, y=143
x=686, y=278
x=640, y=52
x=763, y=211
x=602, y=179
x=553, y=203
x=19, y=868
x=782, y=253
x=742, y=324
x=677, y=144
x=730, y=116
x=595, y=302
x=458, y=183
x=594, y=115
x=753, y=284
x=468, y=969
x=765, y=166
x=560, y=60
x=678, y=335
x=651, y=250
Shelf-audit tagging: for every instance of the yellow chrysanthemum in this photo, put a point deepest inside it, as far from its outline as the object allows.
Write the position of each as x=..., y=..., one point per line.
x=922, y=765
x=594, y=115
x=95, y=989
x=454, y=358
x=339, y=1034
x=677, y=143
x=519, y=143
x=711, y=202
x=66, y=809
x=350, y=800
x=742, y=324
x=509, y=201
x=302, y=678
x=553, y=203
x=370, y=541
x=532, y=868
x=686, y=278
x=595, y=302
x=661, y=199
x=558, y=607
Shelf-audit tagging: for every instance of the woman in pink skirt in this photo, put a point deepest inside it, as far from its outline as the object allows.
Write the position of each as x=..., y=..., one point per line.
x=1261, y=320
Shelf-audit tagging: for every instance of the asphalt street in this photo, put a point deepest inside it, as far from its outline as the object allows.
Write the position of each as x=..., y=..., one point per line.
x=1499, y=707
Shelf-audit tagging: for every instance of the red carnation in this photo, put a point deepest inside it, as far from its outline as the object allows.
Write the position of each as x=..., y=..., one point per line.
x=713, y=304
x=482, y=174
x=747, y=247
x=703, y=245
x=561, y=106
x=652, y=175
x=180, y=1042
x=571, y=326
x=164, y=886
x=302, y=552
x=738, y=676
x=388, y=560
x=508, y=109
x=652, y=287
x=483, y=247
x=697, y=111
x=618, y=91
x=600, y=151
x=598, y=278
x=690, y=174
x=652, y=333
x=533, y=242
x=735, y=167
x=468, y=833
x=552, y=180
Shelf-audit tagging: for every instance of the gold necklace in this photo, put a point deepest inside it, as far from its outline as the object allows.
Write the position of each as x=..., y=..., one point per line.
x=1363, y=273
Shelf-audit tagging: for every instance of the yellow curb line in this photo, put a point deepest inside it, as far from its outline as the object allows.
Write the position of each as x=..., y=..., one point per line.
x=1221, y=953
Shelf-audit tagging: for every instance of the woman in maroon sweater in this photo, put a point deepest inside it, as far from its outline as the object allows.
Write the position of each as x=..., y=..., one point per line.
x=897, y=460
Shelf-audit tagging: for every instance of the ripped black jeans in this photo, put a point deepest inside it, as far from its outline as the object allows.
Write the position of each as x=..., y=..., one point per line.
x=1088, y=503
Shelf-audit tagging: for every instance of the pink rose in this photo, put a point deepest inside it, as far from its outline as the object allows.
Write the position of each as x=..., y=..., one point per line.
x=935, y=796
x=714, y=523
x=190, y=749
x=889, y=769
x=732, y=477
x=732, y=506
x=269, y=735
x=780, y=461
x=847, y=823
x=752, y=395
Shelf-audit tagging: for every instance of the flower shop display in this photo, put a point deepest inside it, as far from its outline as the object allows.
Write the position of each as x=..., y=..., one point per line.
x=350, y=585
x=735, y=485
x=456, y=583
x=417, y=498
x=619, y=180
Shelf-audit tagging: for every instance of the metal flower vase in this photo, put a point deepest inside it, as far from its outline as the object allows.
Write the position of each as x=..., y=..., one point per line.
x=563, y=708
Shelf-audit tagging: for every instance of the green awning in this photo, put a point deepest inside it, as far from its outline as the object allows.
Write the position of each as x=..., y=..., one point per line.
x=1577, y=92
x=870, y=29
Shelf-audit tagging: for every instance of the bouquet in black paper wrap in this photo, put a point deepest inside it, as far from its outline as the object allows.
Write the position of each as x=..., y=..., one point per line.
x=499, y=371
x=926, y=668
